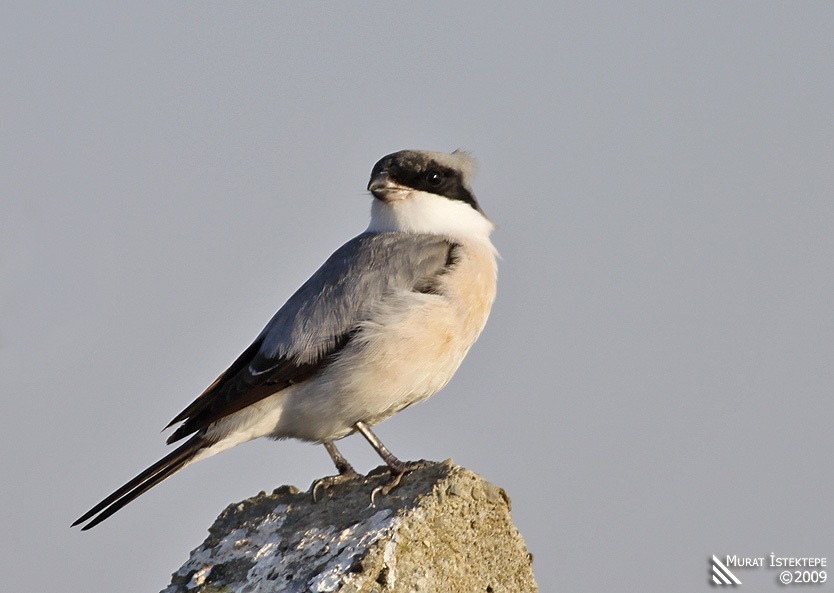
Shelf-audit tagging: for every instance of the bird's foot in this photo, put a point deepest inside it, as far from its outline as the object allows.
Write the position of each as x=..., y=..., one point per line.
x=323, y=484
x=397, y=470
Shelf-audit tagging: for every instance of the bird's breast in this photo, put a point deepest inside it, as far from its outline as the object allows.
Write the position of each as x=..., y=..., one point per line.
x=418, y=341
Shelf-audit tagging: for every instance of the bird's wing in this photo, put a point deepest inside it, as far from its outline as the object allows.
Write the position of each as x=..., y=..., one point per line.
x=319, y=320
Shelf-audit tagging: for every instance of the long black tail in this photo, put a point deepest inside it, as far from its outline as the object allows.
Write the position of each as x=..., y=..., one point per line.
x=165, y=467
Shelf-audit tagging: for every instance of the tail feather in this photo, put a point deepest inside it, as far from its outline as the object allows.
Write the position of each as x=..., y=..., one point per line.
x=164, y=468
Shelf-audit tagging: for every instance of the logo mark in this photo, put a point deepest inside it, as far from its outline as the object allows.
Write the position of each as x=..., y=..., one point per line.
x=721, y=575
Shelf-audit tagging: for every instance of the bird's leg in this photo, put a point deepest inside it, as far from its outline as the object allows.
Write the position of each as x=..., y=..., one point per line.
x=346, y=471
x=397, y=468
x=339, y=460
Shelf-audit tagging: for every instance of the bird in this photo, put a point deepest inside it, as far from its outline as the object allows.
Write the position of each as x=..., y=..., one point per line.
x=383, y=324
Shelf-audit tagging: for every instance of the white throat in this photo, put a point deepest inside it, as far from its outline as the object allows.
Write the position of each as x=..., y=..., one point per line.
x=422, y=212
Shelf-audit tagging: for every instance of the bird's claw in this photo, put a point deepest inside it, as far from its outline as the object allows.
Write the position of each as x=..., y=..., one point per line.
x=397, y=472
x=330, y=481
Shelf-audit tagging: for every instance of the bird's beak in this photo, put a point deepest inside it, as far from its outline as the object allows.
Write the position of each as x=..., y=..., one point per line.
x=384, y=188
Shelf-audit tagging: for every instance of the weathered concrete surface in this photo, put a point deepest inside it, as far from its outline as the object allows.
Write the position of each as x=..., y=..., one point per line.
x=443, y=529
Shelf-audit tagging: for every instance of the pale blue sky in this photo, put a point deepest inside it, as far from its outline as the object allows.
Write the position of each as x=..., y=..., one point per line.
x=655, y=383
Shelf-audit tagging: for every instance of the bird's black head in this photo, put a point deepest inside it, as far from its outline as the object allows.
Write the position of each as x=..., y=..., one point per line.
x=437, y=173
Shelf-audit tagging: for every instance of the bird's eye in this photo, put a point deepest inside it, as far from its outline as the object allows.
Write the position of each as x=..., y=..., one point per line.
x=434, y=178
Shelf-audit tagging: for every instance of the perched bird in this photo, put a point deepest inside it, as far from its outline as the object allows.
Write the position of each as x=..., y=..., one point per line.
x=383, y=324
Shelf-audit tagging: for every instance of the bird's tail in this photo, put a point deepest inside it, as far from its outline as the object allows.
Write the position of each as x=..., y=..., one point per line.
x=164, y=468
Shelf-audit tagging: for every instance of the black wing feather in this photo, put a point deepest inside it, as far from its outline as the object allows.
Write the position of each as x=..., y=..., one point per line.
x=235, y=389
